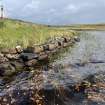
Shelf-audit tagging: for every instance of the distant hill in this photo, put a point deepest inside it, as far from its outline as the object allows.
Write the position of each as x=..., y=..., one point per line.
x=82, y=27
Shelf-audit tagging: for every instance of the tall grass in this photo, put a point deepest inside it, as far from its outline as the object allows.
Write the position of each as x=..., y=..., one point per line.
x=14, y=33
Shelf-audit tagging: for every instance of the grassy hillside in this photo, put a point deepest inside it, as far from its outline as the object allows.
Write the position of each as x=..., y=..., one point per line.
x=13, y=32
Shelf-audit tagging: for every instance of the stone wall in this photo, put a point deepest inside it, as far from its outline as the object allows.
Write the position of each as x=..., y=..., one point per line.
x=14, y=60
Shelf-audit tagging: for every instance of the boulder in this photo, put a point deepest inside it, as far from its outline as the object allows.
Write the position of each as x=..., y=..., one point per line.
x=31, y=63
x=52, y=46
x=54, y=51
x=66, y=44
x=67, y=38
x=12, y=56
x=9, y=51
x=60, y=41
x=19, y=49
x=77, y=39
x=6, y=69
x=28, y=50
x=3, y=59
x=46, y=47
x=42, y=56
x=28, y=56
x=35, y=49
x=64, y=39
x=18, y=65
x=38, y=49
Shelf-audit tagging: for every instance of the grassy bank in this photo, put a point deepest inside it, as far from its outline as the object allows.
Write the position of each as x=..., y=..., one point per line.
x=13, y=32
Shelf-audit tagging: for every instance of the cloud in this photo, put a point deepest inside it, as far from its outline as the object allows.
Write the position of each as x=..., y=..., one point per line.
x=33, y=5
x=56, y=11
x=72, y=8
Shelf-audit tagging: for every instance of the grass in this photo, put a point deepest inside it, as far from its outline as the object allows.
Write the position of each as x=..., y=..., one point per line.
x=15, y=32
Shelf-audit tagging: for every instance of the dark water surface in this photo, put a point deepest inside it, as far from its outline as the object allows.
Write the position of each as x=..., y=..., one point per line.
x=85, y=58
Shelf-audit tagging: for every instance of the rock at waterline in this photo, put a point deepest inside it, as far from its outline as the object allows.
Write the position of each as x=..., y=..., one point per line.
x=77, y=39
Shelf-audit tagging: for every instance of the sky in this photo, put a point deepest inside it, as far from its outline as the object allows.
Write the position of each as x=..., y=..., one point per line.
x=56, y=12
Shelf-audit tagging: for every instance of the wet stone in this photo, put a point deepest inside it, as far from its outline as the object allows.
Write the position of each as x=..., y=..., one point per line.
x=77, y=39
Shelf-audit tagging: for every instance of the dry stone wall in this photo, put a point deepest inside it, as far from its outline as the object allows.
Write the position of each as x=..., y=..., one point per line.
x=13, y=60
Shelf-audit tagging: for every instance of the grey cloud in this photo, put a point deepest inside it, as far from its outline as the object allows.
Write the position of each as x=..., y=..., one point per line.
x=57, y=11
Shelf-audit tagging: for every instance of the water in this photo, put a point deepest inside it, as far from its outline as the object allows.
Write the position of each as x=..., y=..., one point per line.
x=54, y=80
x=90, y=48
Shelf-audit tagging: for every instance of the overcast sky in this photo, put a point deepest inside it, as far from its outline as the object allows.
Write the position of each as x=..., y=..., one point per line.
x=56, y=11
